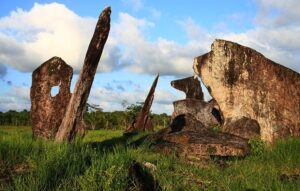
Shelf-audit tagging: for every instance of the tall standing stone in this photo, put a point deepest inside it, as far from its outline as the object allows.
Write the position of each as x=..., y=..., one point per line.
x=72, y=122
x=143, y=121
x=46, y=111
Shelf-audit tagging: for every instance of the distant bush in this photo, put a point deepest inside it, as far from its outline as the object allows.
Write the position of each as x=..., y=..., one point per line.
x=15, y=118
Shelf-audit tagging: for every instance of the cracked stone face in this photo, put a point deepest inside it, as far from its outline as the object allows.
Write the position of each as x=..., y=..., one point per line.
x=50, y=95
x=246, y=84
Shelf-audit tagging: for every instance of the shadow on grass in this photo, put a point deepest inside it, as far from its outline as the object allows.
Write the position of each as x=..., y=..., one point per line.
x=134, y=140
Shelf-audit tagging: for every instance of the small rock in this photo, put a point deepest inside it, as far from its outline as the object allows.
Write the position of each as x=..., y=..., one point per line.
x=150, y=166
x=140, y=179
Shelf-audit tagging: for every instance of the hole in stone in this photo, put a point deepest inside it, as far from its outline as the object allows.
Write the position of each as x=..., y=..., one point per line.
x=216, y=113
x=178, y=123
x=54, y=91
x=205, y=90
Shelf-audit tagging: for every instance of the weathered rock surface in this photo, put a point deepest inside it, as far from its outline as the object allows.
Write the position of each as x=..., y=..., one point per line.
x=46, y=111
x=190, y=86
x=244, y=127
x=246, y=84
x=73, y=119
x=205, y=112
x=189, y=138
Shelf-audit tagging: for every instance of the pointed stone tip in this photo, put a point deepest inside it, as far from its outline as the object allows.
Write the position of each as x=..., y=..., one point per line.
x=107, y=9
x=106, y=12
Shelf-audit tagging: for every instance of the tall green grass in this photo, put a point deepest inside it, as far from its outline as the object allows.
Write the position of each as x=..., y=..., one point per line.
x=101, y=160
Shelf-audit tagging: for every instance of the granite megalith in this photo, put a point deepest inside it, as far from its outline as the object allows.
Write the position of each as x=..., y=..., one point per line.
x=246, y=84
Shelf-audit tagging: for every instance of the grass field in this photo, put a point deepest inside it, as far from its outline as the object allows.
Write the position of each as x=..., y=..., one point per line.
x=100, y=162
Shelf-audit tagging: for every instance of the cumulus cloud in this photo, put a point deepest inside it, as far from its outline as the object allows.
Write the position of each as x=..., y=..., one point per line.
x=280, y=43
x=278, y=13
x=16, y=99
x=28, y=38
x=143, y=56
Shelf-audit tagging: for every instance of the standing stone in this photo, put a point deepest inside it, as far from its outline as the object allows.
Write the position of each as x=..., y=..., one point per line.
x=143, y=121
x=72, y=122
x=246, y=84
x=47, y=111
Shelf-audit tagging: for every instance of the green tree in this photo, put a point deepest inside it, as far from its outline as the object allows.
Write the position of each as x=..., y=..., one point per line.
x=94, y=115
x=132, y=111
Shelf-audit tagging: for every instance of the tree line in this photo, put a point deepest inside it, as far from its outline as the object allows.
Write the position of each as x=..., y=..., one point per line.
x=94, y=117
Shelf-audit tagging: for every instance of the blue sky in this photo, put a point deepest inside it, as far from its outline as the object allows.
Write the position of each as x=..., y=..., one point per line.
x=146, y=37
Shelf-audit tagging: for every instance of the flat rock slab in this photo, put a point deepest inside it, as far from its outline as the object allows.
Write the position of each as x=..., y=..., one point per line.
x=194, y=141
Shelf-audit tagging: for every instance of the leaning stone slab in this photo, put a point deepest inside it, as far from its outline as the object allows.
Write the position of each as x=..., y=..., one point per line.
x=142, y=121
x=73, y=119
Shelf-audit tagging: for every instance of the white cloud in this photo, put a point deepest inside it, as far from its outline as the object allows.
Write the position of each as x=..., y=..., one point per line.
x=16, y=99
x=278, y=13
x=28, y=38
x=143, y=56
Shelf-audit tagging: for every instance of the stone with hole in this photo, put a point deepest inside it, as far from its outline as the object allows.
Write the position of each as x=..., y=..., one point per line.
x=48, y=110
